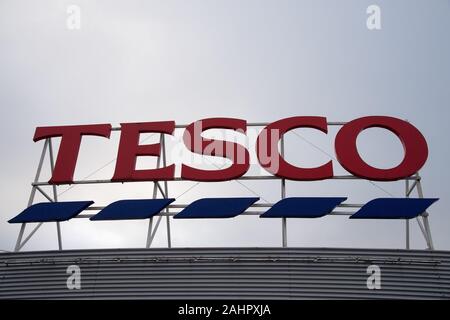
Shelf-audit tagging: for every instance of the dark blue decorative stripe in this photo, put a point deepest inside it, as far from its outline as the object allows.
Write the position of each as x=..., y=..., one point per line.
x=302, y=207
x=393, y=208
x=295, y=207
x=51, y=211
x=216, y=208
x=132, y=209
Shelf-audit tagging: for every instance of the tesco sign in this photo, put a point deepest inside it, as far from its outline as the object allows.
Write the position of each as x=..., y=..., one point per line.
x=267, y=151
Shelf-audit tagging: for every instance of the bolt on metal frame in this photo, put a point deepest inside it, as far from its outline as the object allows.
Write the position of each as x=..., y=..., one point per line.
x=164, y=191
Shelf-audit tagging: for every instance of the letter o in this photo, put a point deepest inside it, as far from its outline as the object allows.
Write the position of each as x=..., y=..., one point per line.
x=414, y=145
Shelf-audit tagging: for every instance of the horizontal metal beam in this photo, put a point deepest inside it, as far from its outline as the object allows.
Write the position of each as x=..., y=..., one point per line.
x=178, y=179
x=250, y=124
x=246, y=213
x=255, y=205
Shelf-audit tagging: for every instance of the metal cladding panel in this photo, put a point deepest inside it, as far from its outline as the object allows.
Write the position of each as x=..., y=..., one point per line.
x=228, y=273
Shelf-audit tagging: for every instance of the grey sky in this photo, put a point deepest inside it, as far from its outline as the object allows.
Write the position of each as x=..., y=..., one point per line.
x=255, y=60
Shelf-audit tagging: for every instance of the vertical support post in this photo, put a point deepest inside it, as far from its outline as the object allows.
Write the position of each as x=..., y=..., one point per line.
x=150, y=223
x=407, y=220
x=58, y=231
x=32, y=194
x=150, y=234
x=424, y=215
x=283, y=195
x=428, y=230
x=55, y=194
x=19, y=238
x=166, y=191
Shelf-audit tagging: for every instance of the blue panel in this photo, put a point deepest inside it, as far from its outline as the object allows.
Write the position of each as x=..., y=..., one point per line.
x=132, y=209
x=216, y=208
x=302, y=207
x=51, y=211
x=393, y=208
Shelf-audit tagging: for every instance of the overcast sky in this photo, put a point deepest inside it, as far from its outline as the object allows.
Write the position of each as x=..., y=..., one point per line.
x=256, y=60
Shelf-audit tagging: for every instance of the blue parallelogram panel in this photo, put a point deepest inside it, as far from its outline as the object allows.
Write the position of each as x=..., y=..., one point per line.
x=132, y=209
x=394, y=208
x=51, y=211
x=303, y=207
x=216, y=208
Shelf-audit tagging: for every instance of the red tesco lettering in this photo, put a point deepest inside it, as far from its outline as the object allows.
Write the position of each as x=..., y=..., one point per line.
x=267, y=146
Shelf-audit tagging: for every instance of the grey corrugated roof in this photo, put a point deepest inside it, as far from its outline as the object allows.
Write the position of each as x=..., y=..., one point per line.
x=238, y=273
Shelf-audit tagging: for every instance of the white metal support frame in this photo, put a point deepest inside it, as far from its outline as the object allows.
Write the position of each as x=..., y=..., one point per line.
x=407, y=220
x=411, y=183
x=55, y=194
x=283, y=195
x=424, y=225
x=34, y=188
x=156, y=187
